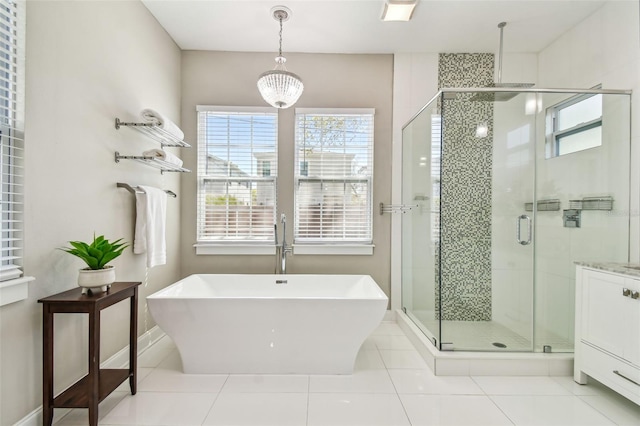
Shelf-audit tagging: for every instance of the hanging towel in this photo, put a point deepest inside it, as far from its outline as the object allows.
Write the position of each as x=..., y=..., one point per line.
x=151, y=215
x=153, y=116
x=163, y=155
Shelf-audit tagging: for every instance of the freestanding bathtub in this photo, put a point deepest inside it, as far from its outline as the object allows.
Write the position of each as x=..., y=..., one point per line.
x=269, y=324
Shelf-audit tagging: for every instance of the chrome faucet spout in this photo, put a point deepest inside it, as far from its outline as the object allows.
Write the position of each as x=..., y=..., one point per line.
x=282, y=250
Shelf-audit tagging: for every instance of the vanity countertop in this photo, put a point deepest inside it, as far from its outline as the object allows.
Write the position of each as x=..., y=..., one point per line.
x=632, y=269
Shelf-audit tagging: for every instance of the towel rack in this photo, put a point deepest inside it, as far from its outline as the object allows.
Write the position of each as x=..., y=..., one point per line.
x=164, y=166
x=397, y=208
x=136, y=189
x=155, y=132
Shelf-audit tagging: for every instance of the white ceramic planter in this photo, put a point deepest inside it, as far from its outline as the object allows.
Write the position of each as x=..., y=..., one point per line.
x=96, y=280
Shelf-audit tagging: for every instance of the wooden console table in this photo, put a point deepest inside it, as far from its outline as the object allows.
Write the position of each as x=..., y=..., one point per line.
x=89, y=391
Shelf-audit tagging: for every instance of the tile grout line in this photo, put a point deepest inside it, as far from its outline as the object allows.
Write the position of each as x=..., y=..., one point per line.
x=308, y=397
x=500, y=409
x=491, y=399
x=214, y=400
x=404, y=409
x=596, y=408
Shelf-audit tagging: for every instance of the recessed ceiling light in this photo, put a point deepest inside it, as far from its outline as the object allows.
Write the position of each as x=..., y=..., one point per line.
x=398, y=10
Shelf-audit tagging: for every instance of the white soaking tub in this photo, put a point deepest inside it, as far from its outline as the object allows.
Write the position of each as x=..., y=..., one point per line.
x=269, y=324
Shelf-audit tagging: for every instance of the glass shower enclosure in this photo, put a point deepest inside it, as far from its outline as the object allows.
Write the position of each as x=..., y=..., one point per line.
x=506, y=189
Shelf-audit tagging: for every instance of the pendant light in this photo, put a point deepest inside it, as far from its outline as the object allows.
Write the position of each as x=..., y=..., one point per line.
x=279, y=87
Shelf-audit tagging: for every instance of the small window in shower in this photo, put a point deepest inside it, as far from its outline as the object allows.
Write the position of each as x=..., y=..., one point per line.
x=574, y=125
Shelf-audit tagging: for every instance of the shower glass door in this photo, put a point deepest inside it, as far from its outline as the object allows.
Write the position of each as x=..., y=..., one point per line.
x=487, y=222
x=420, y=220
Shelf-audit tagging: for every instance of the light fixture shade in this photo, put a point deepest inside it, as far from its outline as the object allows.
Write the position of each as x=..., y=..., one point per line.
x=398, y=10
x=280, y=88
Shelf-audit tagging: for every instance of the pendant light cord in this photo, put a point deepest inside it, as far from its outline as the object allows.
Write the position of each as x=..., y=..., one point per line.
x=280, y=45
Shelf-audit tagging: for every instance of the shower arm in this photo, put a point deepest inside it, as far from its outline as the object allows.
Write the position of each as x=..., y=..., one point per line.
x=501, y=25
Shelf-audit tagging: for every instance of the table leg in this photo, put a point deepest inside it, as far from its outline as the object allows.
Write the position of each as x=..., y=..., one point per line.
x=133, y=343
x=47, y=366
x=94, y=366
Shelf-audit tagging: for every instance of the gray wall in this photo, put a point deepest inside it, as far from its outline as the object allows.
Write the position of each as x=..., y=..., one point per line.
x=347, y=81
x=87, y=63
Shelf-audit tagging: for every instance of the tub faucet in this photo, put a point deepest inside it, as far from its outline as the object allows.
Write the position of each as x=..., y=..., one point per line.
x=282, y=250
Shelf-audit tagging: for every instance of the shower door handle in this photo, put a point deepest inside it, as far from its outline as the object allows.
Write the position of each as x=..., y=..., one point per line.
x=518, y=230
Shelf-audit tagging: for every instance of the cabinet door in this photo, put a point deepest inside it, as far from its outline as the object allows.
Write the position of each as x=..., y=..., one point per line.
x=632, y=323
x=603, y=312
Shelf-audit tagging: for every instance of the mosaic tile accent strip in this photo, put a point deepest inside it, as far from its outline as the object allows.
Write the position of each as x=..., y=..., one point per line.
x=466, y=177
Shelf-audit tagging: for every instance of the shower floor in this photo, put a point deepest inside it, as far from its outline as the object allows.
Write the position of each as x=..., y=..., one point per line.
x=481, y=335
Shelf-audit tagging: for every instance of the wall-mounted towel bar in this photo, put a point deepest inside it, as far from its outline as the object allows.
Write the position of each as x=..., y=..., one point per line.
x=136, y=189
x=155, y=132
x=397, y=208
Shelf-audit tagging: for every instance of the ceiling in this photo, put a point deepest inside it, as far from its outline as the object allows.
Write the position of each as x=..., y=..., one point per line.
x=354, y=26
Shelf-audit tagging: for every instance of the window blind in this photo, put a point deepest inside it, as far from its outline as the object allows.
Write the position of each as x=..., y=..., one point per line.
x=12, y=19
x=237, y=173
x=333, y=176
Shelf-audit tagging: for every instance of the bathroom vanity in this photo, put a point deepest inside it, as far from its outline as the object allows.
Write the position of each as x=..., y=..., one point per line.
x=607, y=332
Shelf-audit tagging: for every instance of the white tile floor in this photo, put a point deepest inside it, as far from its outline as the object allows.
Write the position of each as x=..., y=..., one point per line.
x=391, y=385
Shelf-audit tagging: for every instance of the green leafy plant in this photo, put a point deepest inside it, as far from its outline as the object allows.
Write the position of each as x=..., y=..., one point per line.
x=97, y=254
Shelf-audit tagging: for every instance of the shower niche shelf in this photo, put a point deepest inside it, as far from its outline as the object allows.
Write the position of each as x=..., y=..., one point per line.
x=163, y=166
x=592, y=203
x=155, y=132
x=552, y=205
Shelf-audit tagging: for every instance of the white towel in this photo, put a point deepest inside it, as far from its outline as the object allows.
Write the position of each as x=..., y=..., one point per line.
x=151, y=215
x=163, y=155
x=153, y=116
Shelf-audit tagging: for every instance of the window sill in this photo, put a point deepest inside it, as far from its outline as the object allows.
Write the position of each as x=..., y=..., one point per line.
x=235, y=249
x=334, y=249
x=14, y=290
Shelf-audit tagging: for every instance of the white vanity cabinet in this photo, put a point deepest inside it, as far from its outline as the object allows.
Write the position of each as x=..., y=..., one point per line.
x=607, y=345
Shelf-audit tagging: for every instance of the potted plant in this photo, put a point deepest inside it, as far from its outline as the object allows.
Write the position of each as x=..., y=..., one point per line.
x=97, y=276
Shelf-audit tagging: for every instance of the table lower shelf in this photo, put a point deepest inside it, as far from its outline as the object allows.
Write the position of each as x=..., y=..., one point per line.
x=77, y=396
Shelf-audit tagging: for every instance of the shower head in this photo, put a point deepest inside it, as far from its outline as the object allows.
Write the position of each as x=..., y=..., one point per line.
x=500, y=96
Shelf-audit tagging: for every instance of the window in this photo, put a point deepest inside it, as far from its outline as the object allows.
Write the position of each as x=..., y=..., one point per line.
x=11, y=136
x=574, y=125
x=237, y=170
x=333, y=180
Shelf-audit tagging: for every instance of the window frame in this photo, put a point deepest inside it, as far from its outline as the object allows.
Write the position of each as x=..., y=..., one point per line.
x=234, y=246
x=333, y=246
x=13, y=283
x=554, y=135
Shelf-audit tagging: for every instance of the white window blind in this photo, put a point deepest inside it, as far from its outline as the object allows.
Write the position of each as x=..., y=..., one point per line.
x=237, y=172
x=333, y=176
x=12, y=19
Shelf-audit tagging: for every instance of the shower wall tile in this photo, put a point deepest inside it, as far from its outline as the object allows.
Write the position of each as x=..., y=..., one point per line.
x=465, y=263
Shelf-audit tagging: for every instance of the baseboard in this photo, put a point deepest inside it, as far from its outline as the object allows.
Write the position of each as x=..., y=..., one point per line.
x=119, y=360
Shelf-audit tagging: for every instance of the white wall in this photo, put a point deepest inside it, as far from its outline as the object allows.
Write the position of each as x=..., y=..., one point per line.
x=603, y=49
x=415, y=82
x=87, y=63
